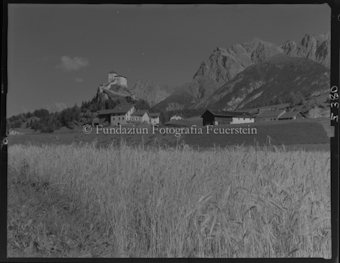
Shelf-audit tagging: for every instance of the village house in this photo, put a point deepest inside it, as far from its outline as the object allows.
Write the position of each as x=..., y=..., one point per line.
x=141, y=116
x=13, y=132
x=176, y=117
x=117, y=116
x=124, y=114
x=154, y=118
x=270, y=115
x=292, y=115
x=226, y=117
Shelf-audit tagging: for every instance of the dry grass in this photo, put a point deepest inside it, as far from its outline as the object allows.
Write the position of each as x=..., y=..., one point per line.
x=85, y=201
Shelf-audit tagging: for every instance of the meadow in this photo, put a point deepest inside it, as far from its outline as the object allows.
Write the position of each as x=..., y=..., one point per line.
x=134, y=201
x=308, y=134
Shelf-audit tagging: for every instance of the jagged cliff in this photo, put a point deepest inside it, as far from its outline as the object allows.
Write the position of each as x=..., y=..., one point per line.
x=151, y=92
x=224, y=64
x=316, y=48
x=278, y=79
x=220, y=73
x=112, y=91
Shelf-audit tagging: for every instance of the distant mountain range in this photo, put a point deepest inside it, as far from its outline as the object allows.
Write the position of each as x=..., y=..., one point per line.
x=224, y=65
x=316, y=48
x=151, y=92
x=277, y=79
x=240, y=76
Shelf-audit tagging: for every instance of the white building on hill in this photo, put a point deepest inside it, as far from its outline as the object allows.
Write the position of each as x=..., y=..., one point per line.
x=113, y=78
x=141, y=116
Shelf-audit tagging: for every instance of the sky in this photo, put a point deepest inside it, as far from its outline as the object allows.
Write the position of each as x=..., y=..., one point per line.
x=62, y=53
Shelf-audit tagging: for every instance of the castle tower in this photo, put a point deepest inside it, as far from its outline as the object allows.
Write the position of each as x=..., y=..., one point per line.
x=112, y=75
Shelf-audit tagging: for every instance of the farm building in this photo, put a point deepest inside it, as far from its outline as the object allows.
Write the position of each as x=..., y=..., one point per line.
x=270, y=115
x=122, y=114
x=117, y=116
x=140, y=116
x=154, y=118
x=292, y=115
x=13, y=132
x=226, y=117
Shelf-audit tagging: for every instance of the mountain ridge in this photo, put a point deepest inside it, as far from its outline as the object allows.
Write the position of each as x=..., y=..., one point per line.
x=150, y=91
x=278, y=79
x=224, y=64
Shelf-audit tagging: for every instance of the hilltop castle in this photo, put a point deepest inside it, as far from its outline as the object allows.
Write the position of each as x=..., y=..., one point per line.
x=116, y=85
x=113, y=78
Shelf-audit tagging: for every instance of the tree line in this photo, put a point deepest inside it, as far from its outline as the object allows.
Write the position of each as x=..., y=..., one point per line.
x=44, y=121
x=47, y=122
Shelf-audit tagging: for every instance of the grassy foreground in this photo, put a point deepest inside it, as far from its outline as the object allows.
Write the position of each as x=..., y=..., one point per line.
x=85, y=201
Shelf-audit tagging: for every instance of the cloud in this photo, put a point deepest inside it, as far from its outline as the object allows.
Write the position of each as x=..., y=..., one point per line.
x=79, y=80
x=72, y=64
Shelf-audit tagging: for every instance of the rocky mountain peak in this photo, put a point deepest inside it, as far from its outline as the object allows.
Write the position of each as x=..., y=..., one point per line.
x=150, y=91
x=289, y=47
x=274, y=80
x=224, y=64
x=314, y=47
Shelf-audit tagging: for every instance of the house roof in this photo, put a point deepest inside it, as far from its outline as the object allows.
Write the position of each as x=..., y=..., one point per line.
x=289, y=114
x=140, y=113
x=230, y=114
x=155, y=114
x=121, y=108
x=270, y=114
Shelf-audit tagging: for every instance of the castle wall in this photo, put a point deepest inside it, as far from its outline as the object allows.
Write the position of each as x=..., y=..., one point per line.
x=119, y=81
